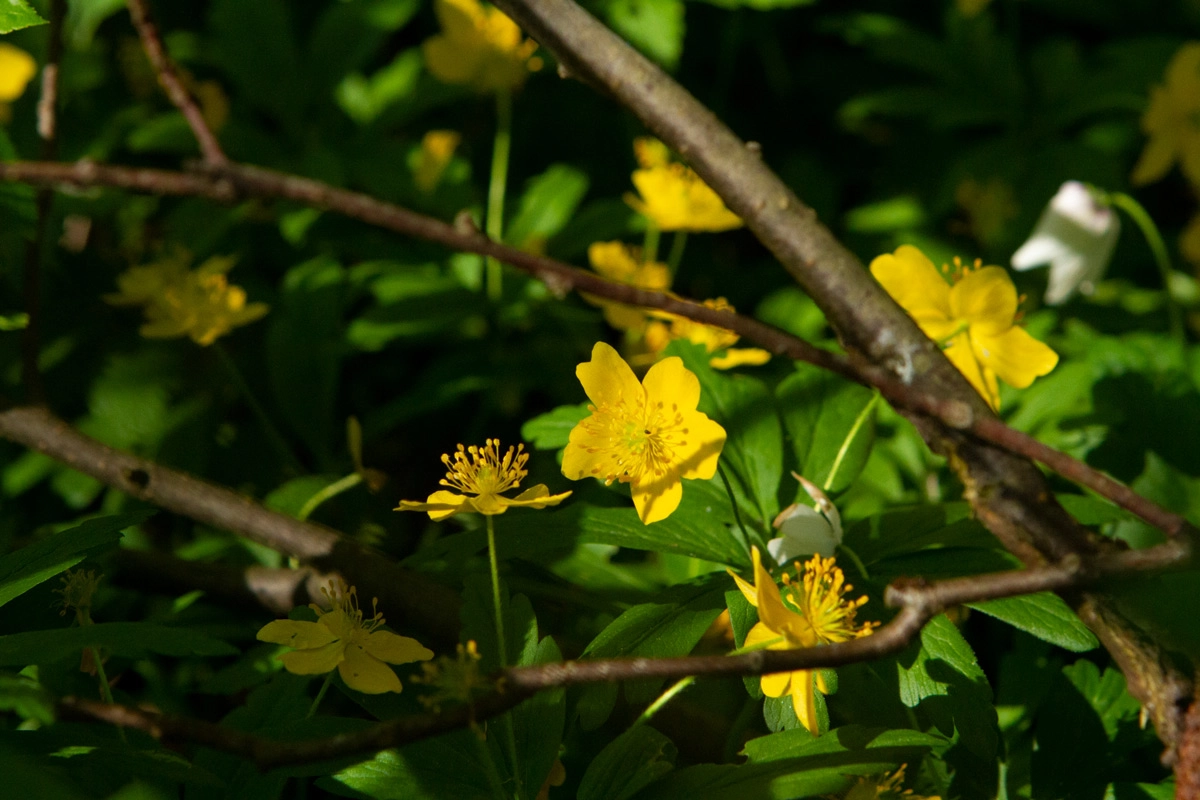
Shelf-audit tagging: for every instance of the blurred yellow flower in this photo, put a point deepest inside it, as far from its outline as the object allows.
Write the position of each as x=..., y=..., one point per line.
x=888, y=786
x=199, y=303
x=437, y=148
x=17, y=68
x=971, y=8
x=646, y=434
x=717, y=341
x=807, y=614
x=673, y=197
x=484, y=473
x=1172, y=121
x=479, y=47
x=973, y=319
x=621, y=263
x=342, y=639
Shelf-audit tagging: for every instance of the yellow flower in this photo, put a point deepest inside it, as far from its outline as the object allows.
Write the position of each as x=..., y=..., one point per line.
x=17, y=68
x=646, y=434
x=437, y=148
x=673, y=197
x=197, y=303
x=974, y=319
x=479, y=47
x=482, y=472
x=623, y=264
x=809, y=613
x=341, y=638
x=717, y=341
x=453, y=680
x=1172, y=121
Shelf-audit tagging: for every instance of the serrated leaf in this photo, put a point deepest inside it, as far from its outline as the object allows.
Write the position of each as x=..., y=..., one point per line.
x=56, y=552
x=831, y=423
x=1043, y=615
x=18, y=14
x=547, y=205
x=634, y=759
x=551, y=431
x=132, y=639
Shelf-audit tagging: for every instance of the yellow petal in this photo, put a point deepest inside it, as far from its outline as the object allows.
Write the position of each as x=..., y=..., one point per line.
x=804, y=702
x=670, y=385
x=439, y=505
x=1155, y=161
x=295, y=633
x=776, y=684
x=657, y=498
x=913, y=282
x=366, y=674
x=740, y=356
x=17, y=68
x=607, y=379
x=536, y=497
x=394, y=648
x=315, y=661
x=1016, y=357
x=705, y=440
x=747, y=592
x=771, y=610
x=987, y=299
x=962, y=354
x=587, y=455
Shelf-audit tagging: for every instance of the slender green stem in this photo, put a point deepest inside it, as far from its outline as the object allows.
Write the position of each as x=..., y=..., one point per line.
x=678, y=243
x=737, y=517
x=502, y=648
x=332, y=490
x=861, y=420
x=752, y=648
x=320, y=695
x=1158, y=248
x=497, y=186
x=663, y=699
x=277, y=441
x=862, y=568
x=650, y=242
x=105, y=689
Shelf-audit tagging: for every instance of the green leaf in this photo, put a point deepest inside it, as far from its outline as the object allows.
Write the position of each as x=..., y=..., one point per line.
x=132, y=639
x=653, y=26
x=26, y=777
x=1070, y=760
x=449, y=766
x=56, y=552
x=412, y=301
x=797, y=743
x=538, y=722
x=634, y=759
x=550, y=431
x=1044, y=615
x=669, y=626
x=304, y=350
x=18, y=14
x=26, y=698
x=831, y=423
x=745, y=408
x=255, y=45
x=825, y=765
x=1106, y=693
x=547, y=205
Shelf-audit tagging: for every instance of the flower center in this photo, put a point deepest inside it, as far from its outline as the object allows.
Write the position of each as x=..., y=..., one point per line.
x=482, y=470
x=641, y=440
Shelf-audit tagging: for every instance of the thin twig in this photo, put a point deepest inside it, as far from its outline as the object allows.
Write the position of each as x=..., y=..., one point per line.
x=918, y=602
x=168, y=77
x=237, y=181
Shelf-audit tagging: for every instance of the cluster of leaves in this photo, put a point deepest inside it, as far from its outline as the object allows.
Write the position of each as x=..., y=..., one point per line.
x=942, y=125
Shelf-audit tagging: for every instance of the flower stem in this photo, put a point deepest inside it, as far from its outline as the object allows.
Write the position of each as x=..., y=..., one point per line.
x=320, y=695
x=501, y=648
x=332, y=490
x=1158, y=248
x=737, y=517
x=663, y=699
x=105, y=689
x=845, y=448
x=678, y=243
x=276, y=438
x=650, y=242
x=496, y=187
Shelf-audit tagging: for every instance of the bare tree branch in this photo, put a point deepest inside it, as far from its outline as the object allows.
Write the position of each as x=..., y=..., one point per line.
x=402, y=593
x=168, y=78
x=919, y=602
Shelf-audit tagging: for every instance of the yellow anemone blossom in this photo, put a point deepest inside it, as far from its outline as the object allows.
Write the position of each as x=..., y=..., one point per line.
x=621, y=263
x=673, y=197
x=808, y=613
x=884, y=787
x=646, y=434
x=717, y=341
x=1172, y=121
x=342, y=639
x=17, y=69
x=437, y=148
x=199, y=303
x=479, y=47
x=973, y=319
x=482, y=472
